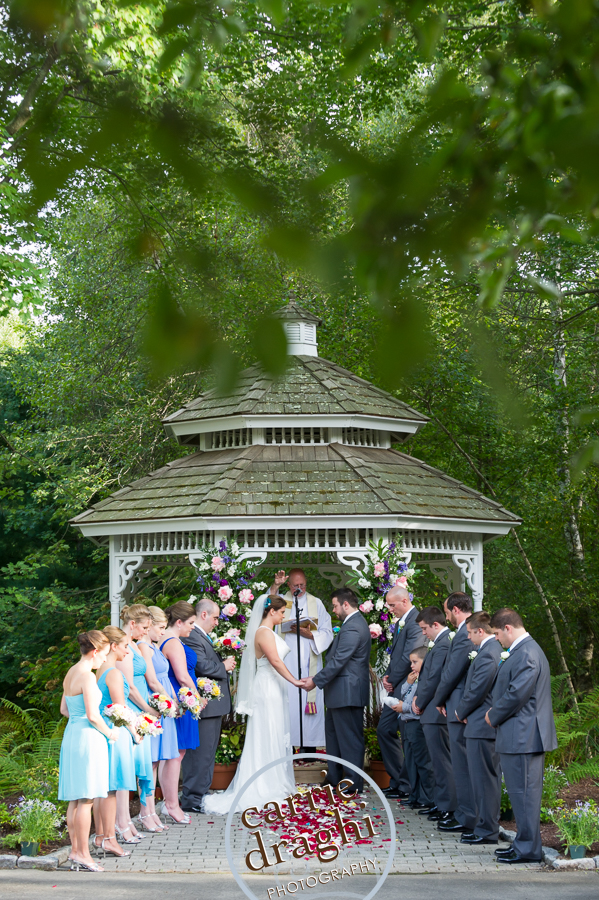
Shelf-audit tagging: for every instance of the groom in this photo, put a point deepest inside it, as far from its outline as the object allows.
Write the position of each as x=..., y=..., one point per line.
x=345, y=680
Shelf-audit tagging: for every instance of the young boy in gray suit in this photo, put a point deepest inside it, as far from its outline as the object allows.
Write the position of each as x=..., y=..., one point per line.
x=418, y=761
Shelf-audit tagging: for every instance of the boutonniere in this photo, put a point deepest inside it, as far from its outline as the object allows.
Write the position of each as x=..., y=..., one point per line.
x=430, y=645
x=451, y=635
x=472, y=655
x=503, y=656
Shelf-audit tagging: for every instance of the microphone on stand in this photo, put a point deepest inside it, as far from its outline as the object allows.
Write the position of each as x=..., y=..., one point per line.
x=296, y=594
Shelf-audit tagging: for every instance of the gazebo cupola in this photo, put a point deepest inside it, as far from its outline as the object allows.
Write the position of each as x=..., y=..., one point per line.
x=299, y=469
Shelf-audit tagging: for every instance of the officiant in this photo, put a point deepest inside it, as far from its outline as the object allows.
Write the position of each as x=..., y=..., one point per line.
x=315, y=638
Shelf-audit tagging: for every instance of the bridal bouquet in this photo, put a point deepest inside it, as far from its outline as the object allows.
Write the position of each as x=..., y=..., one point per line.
x=164, y=705
x=119, y=715
x=189, y=701
x=230, y=643
x=228, y=579
x=147, y=725
x=209, y=690
x=385, y=568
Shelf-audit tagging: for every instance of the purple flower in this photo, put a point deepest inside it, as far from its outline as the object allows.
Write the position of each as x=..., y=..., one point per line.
x=222, y=546
x=382, y=637
x=223, y=582
x=384, y=617
x=242, y=618
x=216, y=577
x=411, y=596
x=392, y=546
x=223, y=616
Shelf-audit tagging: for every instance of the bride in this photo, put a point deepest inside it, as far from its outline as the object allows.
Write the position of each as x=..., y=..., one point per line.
x=262, y=696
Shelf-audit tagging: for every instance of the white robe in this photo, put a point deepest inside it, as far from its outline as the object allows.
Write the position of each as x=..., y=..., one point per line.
x=313, y=724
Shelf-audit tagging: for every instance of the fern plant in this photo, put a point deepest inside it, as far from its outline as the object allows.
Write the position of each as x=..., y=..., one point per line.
x=29, y=751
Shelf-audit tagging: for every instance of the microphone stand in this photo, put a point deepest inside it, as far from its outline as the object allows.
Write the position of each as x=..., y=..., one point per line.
x=296, y=594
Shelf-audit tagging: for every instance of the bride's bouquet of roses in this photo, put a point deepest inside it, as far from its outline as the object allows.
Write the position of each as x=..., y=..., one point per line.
x=147, y=725
x=164, y=705
x=119, y=715
x=230, y=643
x=189, y=701
x=209, y=689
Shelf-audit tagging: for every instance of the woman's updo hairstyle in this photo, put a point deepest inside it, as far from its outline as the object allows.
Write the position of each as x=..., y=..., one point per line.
x=275, y=602
x=115, y=635
x=181, y=610
x=91, y=640
x=157, y=615
x=135, y=613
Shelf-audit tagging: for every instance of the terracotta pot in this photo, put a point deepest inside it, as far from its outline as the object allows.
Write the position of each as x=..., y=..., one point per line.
x=158, y=795
x=223, y=776
x=379, y=774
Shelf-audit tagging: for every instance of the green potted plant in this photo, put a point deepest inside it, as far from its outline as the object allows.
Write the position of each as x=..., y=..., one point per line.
x=37, y=821
x=227, y=754
x=578, y=826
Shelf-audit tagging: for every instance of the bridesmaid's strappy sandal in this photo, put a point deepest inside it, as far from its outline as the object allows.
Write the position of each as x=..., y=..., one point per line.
x=142, y=824
x=186, y=820
x=76, y=864
x=106, y=850
x=133, y=840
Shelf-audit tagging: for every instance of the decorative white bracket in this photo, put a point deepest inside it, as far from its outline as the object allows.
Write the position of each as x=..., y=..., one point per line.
x=471, y=570
x=353, y=559
x=446, y=571
x=124, y=577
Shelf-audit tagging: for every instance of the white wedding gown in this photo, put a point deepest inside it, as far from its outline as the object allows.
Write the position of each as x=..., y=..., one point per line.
x=267, y=738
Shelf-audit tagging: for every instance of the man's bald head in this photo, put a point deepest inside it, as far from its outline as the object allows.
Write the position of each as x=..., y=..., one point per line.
x=398, y=601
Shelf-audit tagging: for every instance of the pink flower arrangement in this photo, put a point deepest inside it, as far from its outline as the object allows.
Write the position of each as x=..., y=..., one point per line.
x=225, y=593
x=230, y=609
x=246, y=596
x=217, y=564
x=375, y=630
x=367, y=606
x=402, y=581
x=379, y=569
x=189, y=702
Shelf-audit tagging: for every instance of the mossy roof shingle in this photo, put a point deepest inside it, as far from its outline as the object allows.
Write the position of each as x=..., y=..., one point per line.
x=295, y=480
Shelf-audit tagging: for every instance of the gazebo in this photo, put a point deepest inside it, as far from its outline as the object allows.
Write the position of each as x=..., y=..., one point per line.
x=301, y=469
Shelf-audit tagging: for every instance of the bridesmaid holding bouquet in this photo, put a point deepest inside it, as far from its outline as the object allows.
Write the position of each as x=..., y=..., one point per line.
x=83, y=771
x=182, y=661
x=165, y=747
x=115, y=690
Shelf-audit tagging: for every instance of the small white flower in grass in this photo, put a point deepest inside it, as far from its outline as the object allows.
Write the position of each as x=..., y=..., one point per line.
x=473, y=654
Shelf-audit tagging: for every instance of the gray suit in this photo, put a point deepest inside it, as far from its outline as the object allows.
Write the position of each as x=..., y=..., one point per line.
x=448, y=694
x=483, y=760
x=405, y=640
x=434, y=724
x=522, y=712
x=345, y=680
x=198, y=765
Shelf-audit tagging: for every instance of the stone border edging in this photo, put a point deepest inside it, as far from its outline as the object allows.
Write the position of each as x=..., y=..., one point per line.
x=49, y=862
x=551, y=857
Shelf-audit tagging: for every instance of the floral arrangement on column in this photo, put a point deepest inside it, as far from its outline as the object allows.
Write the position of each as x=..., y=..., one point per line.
x=230, y=581
x=385, y=568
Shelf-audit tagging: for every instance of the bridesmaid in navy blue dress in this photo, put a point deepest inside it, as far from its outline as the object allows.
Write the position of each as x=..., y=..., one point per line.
x=182, y=662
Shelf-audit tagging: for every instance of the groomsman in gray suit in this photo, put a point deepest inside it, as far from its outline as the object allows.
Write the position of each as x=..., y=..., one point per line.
x=483, y=760
x=198, y=765
x=345, y=680
x=407, y=637
x=522, y=712
x=434, y=724
x=458, y=607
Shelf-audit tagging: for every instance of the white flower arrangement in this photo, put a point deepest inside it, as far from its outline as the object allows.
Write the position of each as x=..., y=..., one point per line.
x=503, y=656
x=363, y=583
x=380, y=604
x=472, y=655
x=260, y=586
x=451, y=635
x=430, y=645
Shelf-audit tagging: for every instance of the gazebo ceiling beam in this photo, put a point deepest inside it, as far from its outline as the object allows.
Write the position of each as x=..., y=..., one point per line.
x=378, y=423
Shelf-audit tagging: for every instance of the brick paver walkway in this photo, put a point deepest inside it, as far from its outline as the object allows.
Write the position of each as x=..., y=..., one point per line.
x=200, y=848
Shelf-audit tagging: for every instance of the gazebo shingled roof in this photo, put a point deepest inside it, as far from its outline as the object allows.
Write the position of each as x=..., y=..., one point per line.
x=299, y=468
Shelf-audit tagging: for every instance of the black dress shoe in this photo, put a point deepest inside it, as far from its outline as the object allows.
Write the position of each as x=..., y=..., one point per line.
x=452, y=825
x=403, y=795
x=195, y=809
x=396, y=795
x=513, y=858
x=429, y=812
x=436, y=816
x=474, y=839
x=502, y=851
x=417, y=805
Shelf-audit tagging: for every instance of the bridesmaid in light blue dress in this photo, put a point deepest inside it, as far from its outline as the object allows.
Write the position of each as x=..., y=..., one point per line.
x=83, y=769
x=136, y=622
x=121, y=777
x=165, y=748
